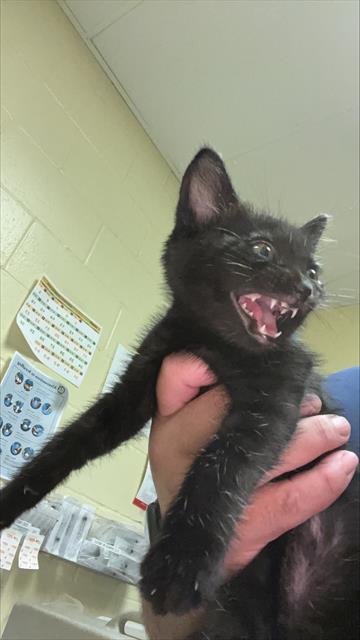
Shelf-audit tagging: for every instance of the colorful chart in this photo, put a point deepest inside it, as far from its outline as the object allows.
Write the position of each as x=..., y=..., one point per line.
x=58, y=333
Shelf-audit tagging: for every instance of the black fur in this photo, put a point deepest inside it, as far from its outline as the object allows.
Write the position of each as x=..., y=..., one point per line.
x=218, y=252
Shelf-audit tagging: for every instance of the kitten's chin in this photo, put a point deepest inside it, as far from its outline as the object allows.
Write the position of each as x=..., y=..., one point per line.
x=263, y=316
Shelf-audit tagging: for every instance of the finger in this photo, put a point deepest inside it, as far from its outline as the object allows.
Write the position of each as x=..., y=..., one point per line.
x=280, y=507
x=315, y=436
x=175, y=441
x=180, y=379
x=310, y=406
x=188, y=430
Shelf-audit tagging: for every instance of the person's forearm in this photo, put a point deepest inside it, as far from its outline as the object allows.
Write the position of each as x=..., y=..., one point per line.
x=170, y=627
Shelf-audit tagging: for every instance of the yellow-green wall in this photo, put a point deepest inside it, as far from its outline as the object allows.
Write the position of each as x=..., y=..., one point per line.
x=88, y=200
x=334, y=335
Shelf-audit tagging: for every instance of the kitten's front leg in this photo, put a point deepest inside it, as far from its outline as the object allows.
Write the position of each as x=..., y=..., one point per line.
x=185, y=566
x=112, y=420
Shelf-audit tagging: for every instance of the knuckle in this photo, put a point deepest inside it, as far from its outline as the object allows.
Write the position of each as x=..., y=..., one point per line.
x=311, y=404
x=333, y=482
x=291, y=502
x=323, y=427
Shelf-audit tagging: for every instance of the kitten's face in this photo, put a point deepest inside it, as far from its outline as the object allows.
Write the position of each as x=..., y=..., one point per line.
x=249, y=277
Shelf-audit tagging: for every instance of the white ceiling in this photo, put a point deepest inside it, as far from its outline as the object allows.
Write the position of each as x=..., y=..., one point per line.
x=271, y=84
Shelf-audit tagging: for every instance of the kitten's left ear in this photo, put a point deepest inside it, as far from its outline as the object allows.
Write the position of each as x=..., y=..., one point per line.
x=314, y=229
x=206, y=190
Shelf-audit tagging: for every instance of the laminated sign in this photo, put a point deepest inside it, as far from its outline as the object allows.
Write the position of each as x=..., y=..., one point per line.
x=31, y=406
x=59, y=334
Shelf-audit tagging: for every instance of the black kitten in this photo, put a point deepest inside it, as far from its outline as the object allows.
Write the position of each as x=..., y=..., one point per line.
x=242, y=282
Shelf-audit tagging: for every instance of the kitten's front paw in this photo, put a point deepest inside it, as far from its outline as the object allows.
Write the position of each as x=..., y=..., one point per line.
x=174, y=580
x=11, y=505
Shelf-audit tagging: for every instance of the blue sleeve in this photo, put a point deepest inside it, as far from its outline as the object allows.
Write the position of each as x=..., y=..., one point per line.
x=344, y=388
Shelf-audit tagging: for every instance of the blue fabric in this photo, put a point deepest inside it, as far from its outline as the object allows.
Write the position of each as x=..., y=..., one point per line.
x=344, y=388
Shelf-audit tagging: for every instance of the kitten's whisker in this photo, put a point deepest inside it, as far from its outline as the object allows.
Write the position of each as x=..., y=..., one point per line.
x=231, y=233
x=341, y=275
x=343, y=290
x=240, y=273
x=239, y=264
x=323, y=321
x=233, y=255
x=340, y=295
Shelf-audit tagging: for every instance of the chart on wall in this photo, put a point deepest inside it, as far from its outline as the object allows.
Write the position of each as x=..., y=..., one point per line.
x=58, y=332
x=31, y=407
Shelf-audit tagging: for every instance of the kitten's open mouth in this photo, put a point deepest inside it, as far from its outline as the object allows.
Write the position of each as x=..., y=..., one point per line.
x=262, y=314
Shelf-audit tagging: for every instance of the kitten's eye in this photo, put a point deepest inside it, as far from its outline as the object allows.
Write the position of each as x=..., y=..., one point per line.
x=263, y=250
x=313, y=273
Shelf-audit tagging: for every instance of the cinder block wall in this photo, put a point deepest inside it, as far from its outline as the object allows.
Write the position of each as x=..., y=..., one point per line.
x=87, y=199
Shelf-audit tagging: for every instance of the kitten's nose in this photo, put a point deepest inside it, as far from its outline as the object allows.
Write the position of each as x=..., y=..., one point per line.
x=304, y=289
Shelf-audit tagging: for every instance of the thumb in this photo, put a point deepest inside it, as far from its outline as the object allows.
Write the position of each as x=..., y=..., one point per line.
x=180, y=379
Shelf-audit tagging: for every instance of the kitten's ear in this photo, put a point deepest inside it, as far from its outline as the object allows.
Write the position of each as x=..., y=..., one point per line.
x=206, y=190
x=314, y=229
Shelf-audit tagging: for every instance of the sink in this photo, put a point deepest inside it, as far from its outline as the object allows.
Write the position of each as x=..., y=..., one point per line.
x=29, y=621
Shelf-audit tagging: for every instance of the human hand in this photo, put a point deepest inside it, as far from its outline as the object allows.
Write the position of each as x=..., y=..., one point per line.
x=179, y=432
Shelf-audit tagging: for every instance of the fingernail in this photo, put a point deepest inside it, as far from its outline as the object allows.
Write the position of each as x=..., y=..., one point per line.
x=341, y=425
x=349, y=462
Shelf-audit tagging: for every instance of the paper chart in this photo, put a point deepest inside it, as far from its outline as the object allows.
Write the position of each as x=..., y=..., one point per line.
x=58, y=332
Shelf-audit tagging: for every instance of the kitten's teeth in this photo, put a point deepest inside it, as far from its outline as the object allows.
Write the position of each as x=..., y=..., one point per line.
x=294, y=312
x=277, y=334
x=245, y=307
x=284, y=305
x=254, y=296
x=272, y=303
x=262, y=328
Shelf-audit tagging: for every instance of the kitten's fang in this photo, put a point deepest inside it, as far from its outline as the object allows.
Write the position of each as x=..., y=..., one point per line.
x=265, y=311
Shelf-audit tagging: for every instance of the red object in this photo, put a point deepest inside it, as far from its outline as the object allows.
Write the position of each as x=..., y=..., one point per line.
x=140, y=504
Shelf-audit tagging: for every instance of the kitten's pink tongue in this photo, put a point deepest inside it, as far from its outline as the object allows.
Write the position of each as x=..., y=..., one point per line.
x=267, y=319
x=260, y=308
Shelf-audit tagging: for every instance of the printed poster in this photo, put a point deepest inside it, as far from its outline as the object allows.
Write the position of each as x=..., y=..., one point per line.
x=118, y=366
x=146, y=493
x=31, y=406
x=60, y=335
x=119, y=363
